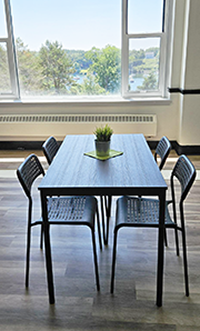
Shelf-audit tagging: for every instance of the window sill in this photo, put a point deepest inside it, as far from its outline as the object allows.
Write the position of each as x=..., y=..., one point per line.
x=90, y=101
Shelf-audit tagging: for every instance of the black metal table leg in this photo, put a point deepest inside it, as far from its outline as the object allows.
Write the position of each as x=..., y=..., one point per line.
x=160, y=250
x=107, y=203
x=47, y=250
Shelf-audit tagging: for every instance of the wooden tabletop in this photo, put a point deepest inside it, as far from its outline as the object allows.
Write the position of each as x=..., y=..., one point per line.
x=72, y=172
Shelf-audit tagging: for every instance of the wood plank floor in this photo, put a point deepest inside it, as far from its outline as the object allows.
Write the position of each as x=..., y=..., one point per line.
x=78, y=305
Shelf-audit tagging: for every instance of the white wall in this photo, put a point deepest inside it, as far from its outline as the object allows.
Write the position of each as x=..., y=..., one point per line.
x=192, y=63
x=189, y=133
x=167, y=115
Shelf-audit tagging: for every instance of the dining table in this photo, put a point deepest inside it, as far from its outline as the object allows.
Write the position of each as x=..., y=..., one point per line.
x=133, y=172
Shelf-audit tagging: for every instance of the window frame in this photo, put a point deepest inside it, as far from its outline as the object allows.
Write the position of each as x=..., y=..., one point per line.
x=11, y=55
x=165, y=52
x=165, y=38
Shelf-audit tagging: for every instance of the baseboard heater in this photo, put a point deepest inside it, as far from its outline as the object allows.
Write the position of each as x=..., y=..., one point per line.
x=39, y=127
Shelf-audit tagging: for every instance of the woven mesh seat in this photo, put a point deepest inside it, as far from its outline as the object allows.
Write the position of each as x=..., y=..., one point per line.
x=66, y=209
x=50, y=148
x=73, y=210
x=140, y=212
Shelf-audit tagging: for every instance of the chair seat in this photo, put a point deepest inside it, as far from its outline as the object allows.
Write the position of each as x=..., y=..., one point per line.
x=72, y=210
x=136, y=211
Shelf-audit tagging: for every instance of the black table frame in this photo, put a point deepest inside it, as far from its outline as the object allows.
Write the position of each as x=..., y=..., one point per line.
x=70, y=174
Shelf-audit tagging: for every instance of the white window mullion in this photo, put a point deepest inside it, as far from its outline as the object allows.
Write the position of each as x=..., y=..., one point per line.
x=12, y=59
x=169, y=21
x=162, y=71
x=124, y=65
x=145, y=35
x=124, y=49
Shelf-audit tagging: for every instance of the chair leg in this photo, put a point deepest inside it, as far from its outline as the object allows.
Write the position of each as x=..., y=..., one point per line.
x=41, y=237
x=108, y=214
x=185, y=263
x=105, y=203
x=108, y=203
x=103, y=219
x=28, y=255
x=113, y=262
x=165, y=237
x=95, y=260
x=177, y=242
x=98, y=225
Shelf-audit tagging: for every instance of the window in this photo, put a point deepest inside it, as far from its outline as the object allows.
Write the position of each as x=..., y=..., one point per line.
x=68, y=48
x=77, y=51
x=145, y=38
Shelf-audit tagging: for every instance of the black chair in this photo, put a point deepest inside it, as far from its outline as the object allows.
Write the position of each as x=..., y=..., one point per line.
x=162, y=150
x=50, y=148
x=141, y=212
x=61, y=210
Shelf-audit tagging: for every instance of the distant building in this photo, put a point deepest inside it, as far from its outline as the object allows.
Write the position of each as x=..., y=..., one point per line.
x=149, y=55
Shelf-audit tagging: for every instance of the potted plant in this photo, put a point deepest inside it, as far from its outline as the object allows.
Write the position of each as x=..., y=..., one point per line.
x=102, y=141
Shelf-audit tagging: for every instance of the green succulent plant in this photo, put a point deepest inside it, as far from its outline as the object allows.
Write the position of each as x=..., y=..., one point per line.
x=103, y=133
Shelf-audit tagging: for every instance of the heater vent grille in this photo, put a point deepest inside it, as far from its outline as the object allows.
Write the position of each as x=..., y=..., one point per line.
x=73, y=118
x=38, y=127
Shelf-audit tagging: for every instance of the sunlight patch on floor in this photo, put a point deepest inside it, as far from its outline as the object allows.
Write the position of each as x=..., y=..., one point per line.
x=11, y=159
x=8, y=174
x=166, y=174
x=18, y=159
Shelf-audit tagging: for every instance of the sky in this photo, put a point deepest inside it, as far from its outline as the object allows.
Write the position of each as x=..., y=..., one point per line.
x=80, y=24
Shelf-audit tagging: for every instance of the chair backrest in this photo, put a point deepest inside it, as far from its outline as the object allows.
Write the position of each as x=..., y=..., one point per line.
x=163, y=149
x=28, y=171
x=50, y=148
x=185, y=172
